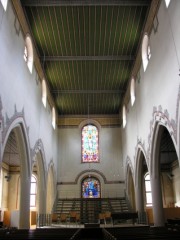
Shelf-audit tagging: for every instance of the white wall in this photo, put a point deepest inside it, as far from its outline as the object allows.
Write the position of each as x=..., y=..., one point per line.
x=21, y=89
x=158, y=86
x=70, y=165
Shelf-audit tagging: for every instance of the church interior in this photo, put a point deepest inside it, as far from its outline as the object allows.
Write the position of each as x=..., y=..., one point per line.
x=89, y=119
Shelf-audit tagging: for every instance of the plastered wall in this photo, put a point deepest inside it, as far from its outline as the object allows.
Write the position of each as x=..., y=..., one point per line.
x=157, y=89
x=20, y=91
x=109, y=170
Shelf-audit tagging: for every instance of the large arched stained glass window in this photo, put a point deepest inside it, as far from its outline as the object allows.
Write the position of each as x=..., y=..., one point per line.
x=90, y=144
x=90, y=188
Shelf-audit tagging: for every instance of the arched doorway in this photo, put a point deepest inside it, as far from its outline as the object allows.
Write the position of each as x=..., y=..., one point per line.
x=90, y=187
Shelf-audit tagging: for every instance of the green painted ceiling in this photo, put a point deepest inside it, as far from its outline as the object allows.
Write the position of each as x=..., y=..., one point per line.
x=87, y=50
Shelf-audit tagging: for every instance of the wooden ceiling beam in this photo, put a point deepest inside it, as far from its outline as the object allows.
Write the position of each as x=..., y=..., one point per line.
x=42, y=3
x=87, y=91
x=87, y=58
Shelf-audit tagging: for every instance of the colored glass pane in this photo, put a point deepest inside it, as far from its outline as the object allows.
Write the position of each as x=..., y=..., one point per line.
x=90, y=188
x=90, y=148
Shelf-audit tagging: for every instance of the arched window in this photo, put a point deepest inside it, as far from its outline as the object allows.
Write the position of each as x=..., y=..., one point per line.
x=4, y=3
x=132, y=91
x=146, y=51
x=33, y=191
x=44, y=93
x=90, y=188
x=90, y=143
x=124, y=116
x=148, y=190
x=53, y=118
x=167, y=2
x=28, y=53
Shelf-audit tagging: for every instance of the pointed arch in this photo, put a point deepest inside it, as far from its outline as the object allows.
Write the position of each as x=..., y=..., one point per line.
x=160, y=120
x=130, y=186
x=140, y=168
x=39, y=164
x=139, y=156
x=162, y=138
x=21, y=136
x=51, y=194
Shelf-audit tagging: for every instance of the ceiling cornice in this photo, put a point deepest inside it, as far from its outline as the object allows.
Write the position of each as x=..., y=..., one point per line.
x=103, y=120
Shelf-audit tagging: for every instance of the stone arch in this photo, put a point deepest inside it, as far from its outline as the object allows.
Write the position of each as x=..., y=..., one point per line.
x=160, y=127
x=39, y=165
x=90, y=121
x=130, y=187
x=51, y=194
x=21, y=136
x=91, y=171
x=140, y=168
x=160, y=118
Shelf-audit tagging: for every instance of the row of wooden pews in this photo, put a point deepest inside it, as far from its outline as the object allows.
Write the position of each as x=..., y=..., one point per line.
x=36, y=234
x=143, y=233
x=110, y=233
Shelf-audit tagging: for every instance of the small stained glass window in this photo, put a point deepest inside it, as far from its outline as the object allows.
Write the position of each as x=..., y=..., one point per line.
x=90, y=144
x=90, y=188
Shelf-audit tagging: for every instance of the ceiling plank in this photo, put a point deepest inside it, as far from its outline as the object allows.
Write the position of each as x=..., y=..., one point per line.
x=87, y=58
x=42, y=3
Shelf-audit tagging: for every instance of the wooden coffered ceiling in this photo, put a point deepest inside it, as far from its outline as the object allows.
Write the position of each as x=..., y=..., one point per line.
x=87, y=50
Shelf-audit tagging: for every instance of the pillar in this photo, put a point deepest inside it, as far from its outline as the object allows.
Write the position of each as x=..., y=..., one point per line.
x=158, y=212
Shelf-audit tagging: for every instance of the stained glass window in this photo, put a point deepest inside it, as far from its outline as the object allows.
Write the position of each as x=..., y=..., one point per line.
x=90, y=144
x=91, y=188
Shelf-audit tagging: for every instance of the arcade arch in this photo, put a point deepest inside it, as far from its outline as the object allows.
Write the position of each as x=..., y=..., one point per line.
x=164, y=163
x=15, y=175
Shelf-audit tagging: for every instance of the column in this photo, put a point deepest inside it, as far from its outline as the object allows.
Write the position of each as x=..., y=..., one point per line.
x=158, y=212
